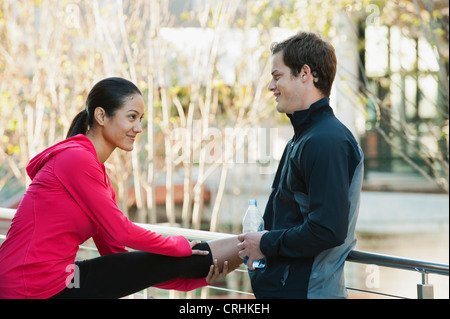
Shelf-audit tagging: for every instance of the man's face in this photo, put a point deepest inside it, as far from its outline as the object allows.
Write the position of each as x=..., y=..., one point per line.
x=286, y=88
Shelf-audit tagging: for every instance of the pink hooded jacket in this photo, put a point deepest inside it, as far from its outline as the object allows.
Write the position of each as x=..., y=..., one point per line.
x=69, y=201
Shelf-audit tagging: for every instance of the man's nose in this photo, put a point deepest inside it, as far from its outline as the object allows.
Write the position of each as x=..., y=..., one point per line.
x=272, y=85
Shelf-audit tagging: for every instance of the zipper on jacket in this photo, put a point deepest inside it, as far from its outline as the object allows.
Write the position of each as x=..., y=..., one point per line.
x=285, y=275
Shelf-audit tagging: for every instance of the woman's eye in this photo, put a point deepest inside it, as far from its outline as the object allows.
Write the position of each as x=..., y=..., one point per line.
x=134, y=117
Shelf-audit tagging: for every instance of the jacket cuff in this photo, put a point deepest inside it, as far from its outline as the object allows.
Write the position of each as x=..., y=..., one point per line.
x=269, y=244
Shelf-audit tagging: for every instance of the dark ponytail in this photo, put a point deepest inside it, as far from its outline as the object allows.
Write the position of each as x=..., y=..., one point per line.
x=110, y=94
x=79, y=124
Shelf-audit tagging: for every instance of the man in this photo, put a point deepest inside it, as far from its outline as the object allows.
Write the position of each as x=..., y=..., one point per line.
x=311, y=213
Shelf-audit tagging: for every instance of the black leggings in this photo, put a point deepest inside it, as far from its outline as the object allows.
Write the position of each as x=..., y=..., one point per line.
x=122, y=274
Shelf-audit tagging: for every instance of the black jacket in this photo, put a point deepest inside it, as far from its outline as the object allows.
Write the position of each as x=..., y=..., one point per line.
x=312, y=210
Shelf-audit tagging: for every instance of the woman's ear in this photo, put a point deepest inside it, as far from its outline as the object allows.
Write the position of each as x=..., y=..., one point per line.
x=99, y=115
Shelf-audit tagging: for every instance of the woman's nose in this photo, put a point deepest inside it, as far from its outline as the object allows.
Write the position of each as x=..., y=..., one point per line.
x=138, y=127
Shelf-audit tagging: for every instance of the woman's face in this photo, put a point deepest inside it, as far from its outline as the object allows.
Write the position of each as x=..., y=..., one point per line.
x=121, y=129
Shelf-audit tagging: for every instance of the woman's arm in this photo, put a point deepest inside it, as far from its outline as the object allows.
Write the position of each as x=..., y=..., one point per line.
x=86, y=181
x=106, y=245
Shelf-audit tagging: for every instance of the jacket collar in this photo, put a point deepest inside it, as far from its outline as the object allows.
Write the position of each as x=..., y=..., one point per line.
x=301, y=120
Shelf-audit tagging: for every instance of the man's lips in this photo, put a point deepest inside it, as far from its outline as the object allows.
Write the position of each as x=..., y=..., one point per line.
x=132, y=137
x=276, y=96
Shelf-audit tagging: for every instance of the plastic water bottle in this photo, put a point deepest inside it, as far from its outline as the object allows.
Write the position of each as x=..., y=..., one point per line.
x=253, y=222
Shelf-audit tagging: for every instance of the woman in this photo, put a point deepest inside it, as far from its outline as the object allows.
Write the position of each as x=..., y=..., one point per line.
x=71, y=199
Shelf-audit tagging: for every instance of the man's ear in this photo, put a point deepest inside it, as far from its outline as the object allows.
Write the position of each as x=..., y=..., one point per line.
x=99, y=115
x=305, y=72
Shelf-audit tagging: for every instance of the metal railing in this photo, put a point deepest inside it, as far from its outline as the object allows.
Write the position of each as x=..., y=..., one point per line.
x=425, y=290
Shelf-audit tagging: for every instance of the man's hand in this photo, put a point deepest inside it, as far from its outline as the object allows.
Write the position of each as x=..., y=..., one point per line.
x=249, y=246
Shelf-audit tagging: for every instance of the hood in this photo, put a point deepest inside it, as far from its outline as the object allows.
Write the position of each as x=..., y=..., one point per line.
x=39, y=160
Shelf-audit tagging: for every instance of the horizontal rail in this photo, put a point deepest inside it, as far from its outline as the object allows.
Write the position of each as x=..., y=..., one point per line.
x=7, y=213
x=398, y=262
x=421, y=266
x=190, y=234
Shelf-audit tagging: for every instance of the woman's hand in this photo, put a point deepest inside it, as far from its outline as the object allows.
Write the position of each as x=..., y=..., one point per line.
x=196, y=251
x=214, y=274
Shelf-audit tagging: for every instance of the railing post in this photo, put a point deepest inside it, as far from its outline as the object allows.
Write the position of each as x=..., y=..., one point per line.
x=425, y=290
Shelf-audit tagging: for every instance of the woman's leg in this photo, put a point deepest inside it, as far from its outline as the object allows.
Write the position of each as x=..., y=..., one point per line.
x=119, y=275
x=226, y=250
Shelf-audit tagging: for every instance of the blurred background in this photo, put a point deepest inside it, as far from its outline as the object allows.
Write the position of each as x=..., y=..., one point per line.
x=212, y=138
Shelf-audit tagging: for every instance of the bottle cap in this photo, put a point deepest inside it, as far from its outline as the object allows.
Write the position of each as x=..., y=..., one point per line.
x=252, y=202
